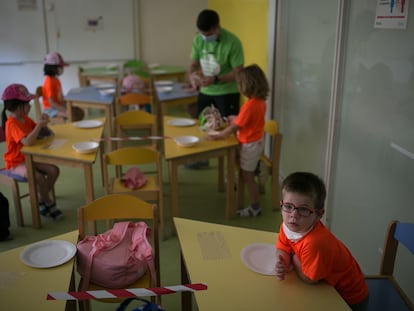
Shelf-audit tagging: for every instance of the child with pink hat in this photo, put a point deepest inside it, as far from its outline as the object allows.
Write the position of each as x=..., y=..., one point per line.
x=53, y=101
x=20, y=130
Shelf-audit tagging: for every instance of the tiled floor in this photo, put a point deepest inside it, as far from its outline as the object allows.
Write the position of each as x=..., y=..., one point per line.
x=198, y=199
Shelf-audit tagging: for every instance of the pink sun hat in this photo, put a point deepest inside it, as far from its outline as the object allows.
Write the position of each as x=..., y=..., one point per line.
x=55, y=58
x=17, y=91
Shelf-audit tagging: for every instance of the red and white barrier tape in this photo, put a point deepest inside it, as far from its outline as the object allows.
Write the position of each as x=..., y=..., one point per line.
x=125, y=293
x=132, y=138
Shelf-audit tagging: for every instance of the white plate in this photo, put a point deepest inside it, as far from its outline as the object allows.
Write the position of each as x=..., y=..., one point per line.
x=186, y=141
x=88, y=124
x=105, y=92
x=163, y=83
x=164, y=89
x=46, y=254
x=260, y=258
x=85, y=147
x=181, y=122
x=101, y=86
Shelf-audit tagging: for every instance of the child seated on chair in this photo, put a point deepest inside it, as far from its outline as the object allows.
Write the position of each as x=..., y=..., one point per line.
x=304, y=243
x=249, y=124
x=134, y=84
x=20, y=130
x=53, y=103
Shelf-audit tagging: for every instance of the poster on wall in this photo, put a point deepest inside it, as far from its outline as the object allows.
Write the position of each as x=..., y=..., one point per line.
x=391, y=14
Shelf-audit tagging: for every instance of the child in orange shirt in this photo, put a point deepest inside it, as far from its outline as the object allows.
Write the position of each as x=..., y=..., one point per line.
x=307, y=246
x=53, y=103
x=249, y=125
x=20, y=130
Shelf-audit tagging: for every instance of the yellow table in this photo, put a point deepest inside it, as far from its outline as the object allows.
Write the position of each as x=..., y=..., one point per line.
x=25, y=288
x=210, y=254
x=205, y=149
x=166, y=72
x=103, y=74
x=58, y=150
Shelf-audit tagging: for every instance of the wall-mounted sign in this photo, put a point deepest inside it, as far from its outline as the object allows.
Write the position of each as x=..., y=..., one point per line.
x=391, y=14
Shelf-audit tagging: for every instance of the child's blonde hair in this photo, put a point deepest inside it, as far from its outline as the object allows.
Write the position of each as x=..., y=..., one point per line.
x=252, y=82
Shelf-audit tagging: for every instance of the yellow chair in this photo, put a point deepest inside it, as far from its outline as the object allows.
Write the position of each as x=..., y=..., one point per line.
x=38, y=109
x=149, y=162
x=117, y=207
x=136, y=120
x=12, y=181
x=270, y=163
x=126, y=101
x=384, y=291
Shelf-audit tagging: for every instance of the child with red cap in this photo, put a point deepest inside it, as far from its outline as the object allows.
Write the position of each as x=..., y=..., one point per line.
x=20, y=130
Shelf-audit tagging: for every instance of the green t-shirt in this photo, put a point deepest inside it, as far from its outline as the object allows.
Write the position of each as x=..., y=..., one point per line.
x=218, y=58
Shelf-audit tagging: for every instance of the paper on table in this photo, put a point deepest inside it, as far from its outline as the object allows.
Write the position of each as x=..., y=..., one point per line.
x=7, y=279
x=56, y=143
x=213, y=245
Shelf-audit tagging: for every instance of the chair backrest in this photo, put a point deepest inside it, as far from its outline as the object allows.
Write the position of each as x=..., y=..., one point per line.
x=37, y=104
x=117, y=207
x=132, y=156
x=271, y=128
x=131, y=99
x=136, y=120
x=397, y=233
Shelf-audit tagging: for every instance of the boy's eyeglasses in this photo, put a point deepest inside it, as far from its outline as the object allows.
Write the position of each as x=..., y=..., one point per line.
x=302, y=211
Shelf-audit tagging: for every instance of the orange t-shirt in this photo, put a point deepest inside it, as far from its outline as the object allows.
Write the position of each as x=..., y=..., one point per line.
x=15, y=131
x=251, y=120
x=52, y=88
x=325, y=258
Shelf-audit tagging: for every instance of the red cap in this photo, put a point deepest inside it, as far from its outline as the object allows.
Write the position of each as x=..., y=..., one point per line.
x=17, y=91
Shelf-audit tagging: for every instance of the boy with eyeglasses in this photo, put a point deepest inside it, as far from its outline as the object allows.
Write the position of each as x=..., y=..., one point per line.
x=304, y=243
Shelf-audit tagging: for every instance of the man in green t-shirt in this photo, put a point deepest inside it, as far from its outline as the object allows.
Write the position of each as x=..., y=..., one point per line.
x=216, y=57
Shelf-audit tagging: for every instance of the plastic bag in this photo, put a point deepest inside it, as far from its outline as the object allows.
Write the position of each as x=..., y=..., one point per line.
x=210, y=119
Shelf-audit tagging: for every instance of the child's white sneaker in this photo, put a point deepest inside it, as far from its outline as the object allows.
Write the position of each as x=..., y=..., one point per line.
x=249, y=212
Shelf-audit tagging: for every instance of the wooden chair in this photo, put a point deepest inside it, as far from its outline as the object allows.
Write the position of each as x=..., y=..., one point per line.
x=384, y=291
x=270, y=163
x=127, y=101
x=136, y=120
x=13, y=182
x=149, y=162
x=117, y=207
x=38, y=109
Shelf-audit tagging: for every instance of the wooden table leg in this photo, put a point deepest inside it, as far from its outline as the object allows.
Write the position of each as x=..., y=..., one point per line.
x=89, y=188
x=221, y=174
x=69, y=105
x=108, y=125
x=31, y=178
x=186, y=303
x=230, y=204
x=173, y=179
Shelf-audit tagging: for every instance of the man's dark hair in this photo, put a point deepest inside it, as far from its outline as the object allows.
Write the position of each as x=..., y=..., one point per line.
x=207, y=19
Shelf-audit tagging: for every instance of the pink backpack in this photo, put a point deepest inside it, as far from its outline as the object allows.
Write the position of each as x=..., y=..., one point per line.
x=116, y=258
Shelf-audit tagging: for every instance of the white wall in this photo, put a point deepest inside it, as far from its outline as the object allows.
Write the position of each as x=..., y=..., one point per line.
x=163, y=30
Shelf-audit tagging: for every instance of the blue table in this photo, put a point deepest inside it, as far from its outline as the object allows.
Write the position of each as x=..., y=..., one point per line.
x=177, y=96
